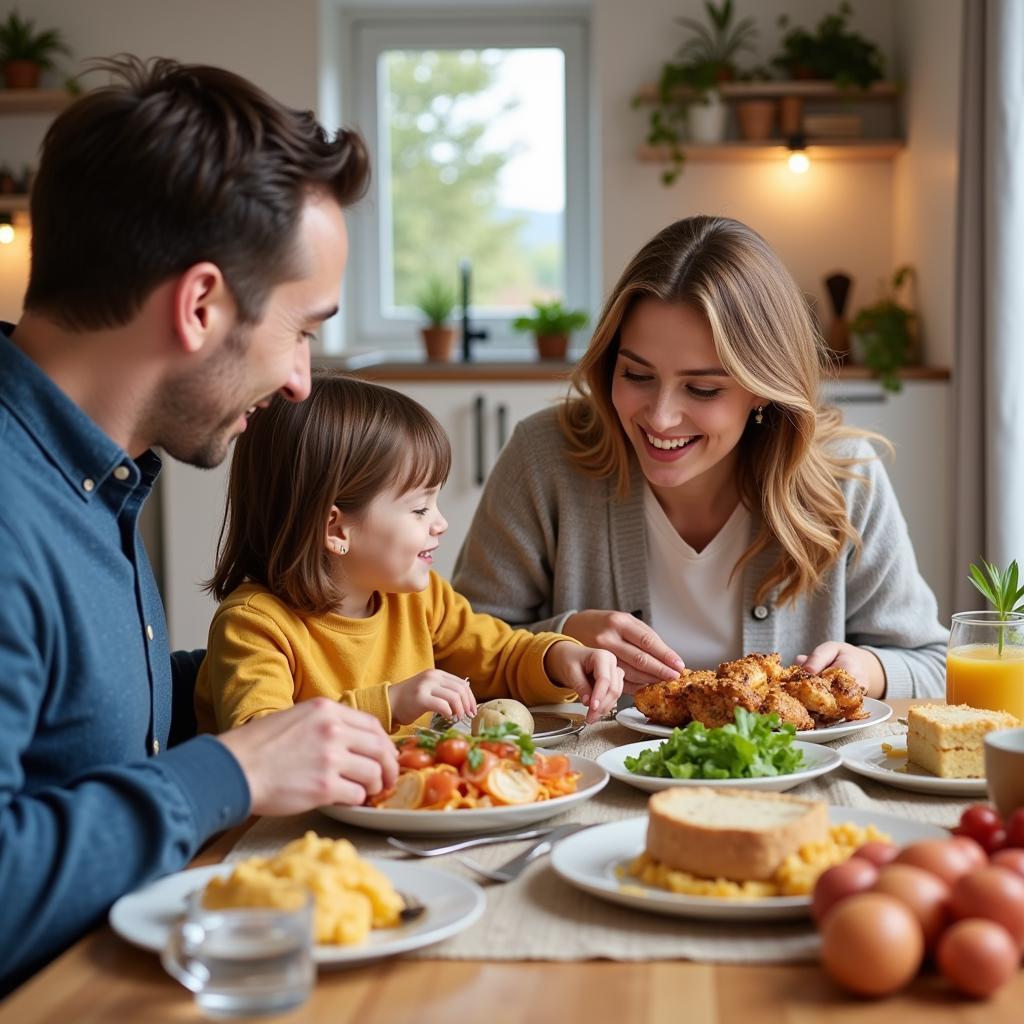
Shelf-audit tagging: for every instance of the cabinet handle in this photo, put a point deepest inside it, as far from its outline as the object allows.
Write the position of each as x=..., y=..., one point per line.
x=478, y=424
x=502, y=416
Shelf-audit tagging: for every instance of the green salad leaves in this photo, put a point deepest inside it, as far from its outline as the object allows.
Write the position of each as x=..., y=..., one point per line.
x=753, y=748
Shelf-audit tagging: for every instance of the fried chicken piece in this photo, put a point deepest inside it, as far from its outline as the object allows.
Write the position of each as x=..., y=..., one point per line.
x=714, y=702
x=771, y=663
x=663, y=702
x=815, y=695
x=788, y=708
x=750, y=671
x=848, y=693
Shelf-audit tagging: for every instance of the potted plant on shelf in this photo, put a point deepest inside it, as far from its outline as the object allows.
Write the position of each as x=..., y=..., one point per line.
x=26, y=53
x=832, y=52
x=883, y=336
x=551, y=325
x=688, y=93
x=435, y=301
x=755, y=117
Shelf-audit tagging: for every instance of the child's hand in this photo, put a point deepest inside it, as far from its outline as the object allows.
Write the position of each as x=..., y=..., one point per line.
x=432, y=690
x=594, y=675
x=861, y=664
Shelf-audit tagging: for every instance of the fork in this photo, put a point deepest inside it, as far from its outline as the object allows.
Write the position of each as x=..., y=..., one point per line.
x=514, y=868
x=438, y=851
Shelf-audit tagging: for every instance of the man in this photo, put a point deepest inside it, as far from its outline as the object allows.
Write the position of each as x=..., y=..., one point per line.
x=188, y=239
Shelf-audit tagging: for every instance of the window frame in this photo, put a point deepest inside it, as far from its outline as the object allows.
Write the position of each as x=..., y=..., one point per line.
x=369, y=36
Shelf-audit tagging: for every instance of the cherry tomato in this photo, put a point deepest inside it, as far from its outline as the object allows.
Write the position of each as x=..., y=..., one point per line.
x=439, y=787
x=487, y=761
x=1015, y=828
x=505, y=751
x=452, y=751
x=980, y=822
x=415, y=758
x=553, y=767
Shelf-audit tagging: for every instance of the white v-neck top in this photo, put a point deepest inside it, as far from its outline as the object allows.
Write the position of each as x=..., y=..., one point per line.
x=695, y=608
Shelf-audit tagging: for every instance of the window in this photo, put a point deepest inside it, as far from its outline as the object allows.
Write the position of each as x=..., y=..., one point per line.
x=475, y=130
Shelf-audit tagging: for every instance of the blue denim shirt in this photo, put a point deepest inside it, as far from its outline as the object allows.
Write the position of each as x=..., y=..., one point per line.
x=92, y=801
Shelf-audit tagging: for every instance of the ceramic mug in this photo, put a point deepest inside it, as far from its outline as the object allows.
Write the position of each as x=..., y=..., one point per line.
x=1004, y=769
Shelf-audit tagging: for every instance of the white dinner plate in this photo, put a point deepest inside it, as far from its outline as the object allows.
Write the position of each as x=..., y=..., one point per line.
x=867, y=758
x=818, y=760
x=145, y=916
x=590, y=860
x=593, y=778
x=878, y=712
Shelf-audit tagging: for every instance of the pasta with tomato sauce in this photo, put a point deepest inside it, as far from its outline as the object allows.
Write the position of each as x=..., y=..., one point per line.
x=458, y=772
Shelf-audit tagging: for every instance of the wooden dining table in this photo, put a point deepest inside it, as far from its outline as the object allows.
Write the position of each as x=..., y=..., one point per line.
x=104, y=979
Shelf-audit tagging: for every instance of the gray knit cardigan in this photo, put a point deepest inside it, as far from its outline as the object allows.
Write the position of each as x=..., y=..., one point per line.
x=547, y=540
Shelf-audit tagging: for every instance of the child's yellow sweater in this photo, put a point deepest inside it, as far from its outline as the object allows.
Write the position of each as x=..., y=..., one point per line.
x=264, y=657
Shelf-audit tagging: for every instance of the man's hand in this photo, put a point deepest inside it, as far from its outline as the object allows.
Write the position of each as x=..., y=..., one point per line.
x=861, y=664
x=318, y=752
x=432, y=690
x=642, y=655
x=593, y=674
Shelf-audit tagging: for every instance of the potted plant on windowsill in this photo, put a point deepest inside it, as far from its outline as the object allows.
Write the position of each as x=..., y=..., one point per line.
x=551, y=325
x=883, y=336
x=435, y=301
x=26, y=53
x=688, y=96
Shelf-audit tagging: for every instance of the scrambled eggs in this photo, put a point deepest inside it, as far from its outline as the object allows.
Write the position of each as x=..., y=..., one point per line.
x=351, y=895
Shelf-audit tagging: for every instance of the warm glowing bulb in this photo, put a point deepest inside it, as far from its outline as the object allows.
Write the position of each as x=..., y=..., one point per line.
x=799, y=163
x=6, y=234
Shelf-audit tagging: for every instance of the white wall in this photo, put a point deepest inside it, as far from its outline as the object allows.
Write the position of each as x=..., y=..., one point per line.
x=924, y=195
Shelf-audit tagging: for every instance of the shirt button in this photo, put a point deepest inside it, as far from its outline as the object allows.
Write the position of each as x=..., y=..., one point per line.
x=122, y=473
x=155, y=747
x=149, y=632
x=88, y=484
x=760, y=612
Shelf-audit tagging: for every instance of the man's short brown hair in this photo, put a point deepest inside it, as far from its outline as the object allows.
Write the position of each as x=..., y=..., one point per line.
x=171, y=165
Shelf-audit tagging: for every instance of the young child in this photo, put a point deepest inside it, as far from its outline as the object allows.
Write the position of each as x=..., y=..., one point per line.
x=324, y=578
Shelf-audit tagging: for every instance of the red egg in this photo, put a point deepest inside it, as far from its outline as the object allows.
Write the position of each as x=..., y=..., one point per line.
x=871, y=944
x=1012, y=859
x=838, y=882
x=923, y=893
x=977, y=956
x=877, y=852
x=995, y=894
x=946, y=858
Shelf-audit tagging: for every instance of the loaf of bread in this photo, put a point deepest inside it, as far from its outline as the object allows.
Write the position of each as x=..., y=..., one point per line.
x=742, y=836
x=948, y=740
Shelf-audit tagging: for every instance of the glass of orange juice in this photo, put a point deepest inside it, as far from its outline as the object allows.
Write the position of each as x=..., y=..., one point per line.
x=985, y=661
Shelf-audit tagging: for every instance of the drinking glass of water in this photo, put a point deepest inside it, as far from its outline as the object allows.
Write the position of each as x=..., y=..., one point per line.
x=246, y=961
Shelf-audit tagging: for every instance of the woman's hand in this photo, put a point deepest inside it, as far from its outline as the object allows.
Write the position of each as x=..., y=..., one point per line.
x=432, y=690
x=594, y=675
x=861, y=664
x=642, y=655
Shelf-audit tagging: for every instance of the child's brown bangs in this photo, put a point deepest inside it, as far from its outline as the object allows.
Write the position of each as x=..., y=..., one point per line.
x=427, y=460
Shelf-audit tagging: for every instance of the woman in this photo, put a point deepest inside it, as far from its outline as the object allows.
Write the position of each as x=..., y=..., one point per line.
x=692, y=501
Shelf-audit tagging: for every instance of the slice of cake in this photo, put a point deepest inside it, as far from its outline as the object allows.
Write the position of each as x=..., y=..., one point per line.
x=730, y=834
x=948, y=740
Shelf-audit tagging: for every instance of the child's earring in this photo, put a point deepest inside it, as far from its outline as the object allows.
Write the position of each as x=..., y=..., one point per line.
x=759, y=416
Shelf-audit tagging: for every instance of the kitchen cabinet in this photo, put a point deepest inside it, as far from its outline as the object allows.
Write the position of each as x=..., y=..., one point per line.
x=480, y=414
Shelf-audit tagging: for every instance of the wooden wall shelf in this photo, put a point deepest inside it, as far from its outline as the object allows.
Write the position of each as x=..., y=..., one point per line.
x=853, y=149
x=13, y=202
x=33, y=101
x=808, y=90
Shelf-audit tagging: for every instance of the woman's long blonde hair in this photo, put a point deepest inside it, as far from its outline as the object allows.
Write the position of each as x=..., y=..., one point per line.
x=766, y=340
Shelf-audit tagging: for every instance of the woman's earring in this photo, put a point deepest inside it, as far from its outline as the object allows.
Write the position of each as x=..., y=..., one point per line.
x=759, y=417
x=342, y=550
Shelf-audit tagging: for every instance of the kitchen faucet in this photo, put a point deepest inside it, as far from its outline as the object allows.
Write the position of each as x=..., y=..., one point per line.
x=469, y=334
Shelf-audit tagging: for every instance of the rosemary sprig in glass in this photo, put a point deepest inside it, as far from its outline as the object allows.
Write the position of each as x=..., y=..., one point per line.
x=1000, y=589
